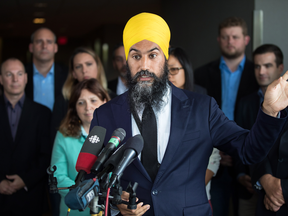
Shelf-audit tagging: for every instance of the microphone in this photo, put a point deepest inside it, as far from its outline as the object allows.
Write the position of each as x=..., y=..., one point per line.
x=79, y=197
x=117, y=136
x=89, y=151
x=134, y=146
x=112, y=161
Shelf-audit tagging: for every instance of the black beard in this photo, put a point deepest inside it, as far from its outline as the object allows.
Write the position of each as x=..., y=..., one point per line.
x=143, y=93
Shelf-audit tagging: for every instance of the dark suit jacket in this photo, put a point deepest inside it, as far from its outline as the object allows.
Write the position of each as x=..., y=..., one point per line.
x=112, y=85
x=60, y=76
x=197, y=124
x=209, y=77
x=276, y=164
x=245, y=117
x=28, y=156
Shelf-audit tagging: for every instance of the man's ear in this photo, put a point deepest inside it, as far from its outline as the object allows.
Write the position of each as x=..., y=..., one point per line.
x=26, y=78
x=247, y=39
x=31, y=47
x=281, y=68
x=55, y=48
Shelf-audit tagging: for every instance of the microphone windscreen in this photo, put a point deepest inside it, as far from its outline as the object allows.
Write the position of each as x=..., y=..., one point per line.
x=90, y=149
x=119, y=132
x=136, y=143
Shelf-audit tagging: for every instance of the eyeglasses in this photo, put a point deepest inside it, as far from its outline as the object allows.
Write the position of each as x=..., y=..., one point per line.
x=174, y=70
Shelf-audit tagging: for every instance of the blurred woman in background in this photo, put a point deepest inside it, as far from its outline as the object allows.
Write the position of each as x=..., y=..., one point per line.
x=84, y=64
x=84, y=99
x=181, y=72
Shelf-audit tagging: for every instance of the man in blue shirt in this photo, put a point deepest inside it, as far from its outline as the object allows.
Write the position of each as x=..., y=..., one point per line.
x=45, y=78
x=227, y=80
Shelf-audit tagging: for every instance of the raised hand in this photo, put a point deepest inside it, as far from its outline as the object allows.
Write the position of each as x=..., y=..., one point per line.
x=276, y=96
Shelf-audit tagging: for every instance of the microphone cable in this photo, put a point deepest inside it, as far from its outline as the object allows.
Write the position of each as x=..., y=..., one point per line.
x=107, y=202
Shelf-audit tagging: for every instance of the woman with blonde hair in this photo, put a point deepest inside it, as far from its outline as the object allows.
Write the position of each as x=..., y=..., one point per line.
x=84, y=64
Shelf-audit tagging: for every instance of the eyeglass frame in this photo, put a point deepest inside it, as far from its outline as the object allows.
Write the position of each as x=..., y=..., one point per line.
x=175, y=69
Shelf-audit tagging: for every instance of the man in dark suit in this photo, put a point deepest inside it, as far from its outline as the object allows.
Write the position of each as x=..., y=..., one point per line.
x=179, y=127
x=45, y=78
x=228, y=79
x=268, y=61
x=119, y=85
x=24, y=145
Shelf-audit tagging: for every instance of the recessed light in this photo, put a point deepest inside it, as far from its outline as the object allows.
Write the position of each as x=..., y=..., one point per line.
x=39, y=20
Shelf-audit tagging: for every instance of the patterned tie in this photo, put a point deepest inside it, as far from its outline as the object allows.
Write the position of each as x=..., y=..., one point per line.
x=149, y=134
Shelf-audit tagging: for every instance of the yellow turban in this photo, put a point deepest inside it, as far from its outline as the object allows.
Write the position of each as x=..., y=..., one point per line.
x=146, y=26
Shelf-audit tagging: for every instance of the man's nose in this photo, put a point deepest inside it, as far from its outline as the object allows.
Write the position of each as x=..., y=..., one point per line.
x=15, y=78
x=145, y=64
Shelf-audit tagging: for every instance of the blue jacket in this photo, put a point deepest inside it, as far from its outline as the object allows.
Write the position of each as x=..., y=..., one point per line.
x=197, y=124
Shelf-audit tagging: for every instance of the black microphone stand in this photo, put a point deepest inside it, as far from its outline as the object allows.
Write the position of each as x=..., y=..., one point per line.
x=95, y=208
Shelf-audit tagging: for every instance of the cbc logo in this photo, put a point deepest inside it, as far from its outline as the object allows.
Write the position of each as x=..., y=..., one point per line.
x=94, y=139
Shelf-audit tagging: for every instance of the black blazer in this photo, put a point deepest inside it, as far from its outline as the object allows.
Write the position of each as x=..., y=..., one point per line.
x=276, y=164
x=61, y=73
x=245, y=117
x=28, y=156
x=209, y=77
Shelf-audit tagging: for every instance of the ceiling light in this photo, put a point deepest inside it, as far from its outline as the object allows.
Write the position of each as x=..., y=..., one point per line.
x=39, y=20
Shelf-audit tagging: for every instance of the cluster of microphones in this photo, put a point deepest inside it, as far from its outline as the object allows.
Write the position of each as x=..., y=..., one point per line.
x=105, y=164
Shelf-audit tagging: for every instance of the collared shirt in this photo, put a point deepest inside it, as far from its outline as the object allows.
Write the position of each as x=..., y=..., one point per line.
x=229, y=84
x=14, y=114
x=163, y=119
x=83, y=132
x=121, y=87
x=44, y=87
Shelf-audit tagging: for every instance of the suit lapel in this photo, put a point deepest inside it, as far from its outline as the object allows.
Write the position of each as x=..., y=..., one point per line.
x=180, y=114
x=215, y=84
x=122, y=116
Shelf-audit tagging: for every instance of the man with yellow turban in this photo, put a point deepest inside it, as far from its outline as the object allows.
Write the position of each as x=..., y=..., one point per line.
x=179, y=127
